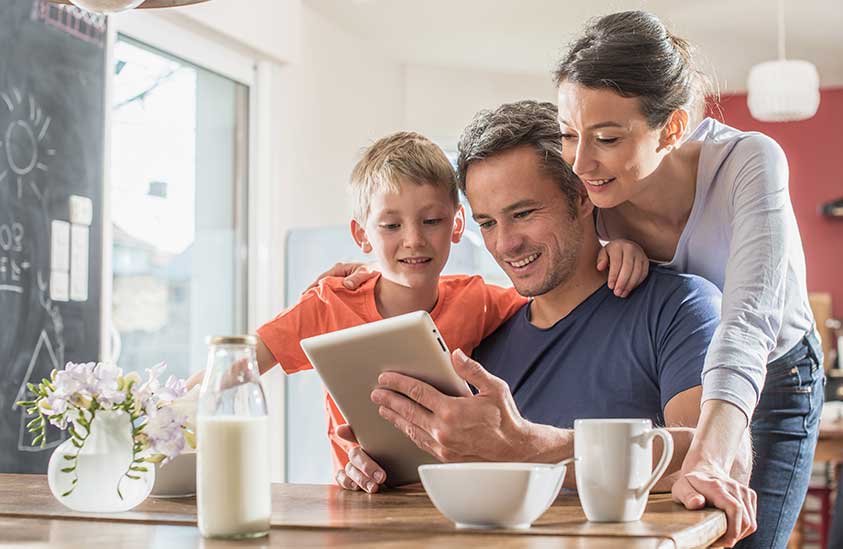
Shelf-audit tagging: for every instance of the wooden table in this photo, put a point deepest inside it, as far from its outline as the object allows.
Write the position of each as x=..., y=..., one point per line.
x=325, y=516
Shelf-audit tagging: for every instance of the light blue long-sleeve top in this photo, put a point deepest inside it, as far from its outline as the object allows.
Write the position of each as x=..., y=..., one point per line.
x=742, y=236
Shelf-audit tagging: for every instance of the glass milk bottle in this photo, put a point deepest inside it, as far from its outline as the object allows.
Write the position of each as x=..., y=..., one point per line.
x=233, y=490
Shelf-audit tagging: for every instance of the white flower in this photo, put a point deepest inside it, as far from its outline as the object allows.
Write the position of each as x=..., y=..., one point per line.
x=107, y=393
x=172, y=389
x=186, y=405
x=164, y=432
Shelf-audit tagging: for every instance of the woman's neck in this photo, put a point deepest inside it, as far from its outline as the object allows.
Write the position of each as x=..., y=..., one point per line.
x=393, y=299
x=667, y=199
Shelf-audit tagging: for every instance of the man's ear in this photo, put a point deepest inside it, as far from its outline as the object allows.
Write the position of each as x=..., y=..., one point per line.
x=358, y=233
x=459, y=225
x=585, y=208
x=674, y=129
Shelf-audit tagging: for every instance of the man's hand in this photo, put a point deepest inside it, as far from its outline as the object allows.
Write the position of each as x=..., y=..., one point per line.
x=628, y=265
x=483, y=427
x=361, y=470
x=354, y=274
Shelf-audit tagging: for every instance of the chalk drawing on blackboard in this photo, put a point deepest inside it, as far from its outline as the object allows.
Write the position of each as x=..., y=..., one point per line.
x=24, y=142
x=44, y=345
x=83, y=24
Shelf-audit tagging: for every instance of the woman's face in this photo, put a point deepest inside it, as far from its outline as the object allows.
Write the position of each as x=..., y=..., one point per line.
x=607, y=142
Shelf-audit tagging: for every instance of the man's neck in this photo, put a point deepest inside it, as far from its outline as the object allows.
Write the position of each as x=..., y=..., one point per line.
x=551, y=307
x=393, y=299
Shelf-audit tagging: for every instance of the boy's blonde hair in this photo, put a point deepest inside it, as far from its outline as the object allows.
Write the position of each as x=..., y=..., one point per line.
x=395, y=159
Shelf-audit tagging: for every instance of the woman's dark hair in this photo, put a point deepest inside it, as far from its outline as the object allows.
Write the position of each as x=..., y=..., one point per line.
x=632, y=53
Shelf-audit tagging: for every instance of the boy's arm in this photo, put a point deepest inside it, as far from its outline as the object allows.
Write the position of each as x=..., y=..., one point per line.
x=265, y=362
x=628, y=265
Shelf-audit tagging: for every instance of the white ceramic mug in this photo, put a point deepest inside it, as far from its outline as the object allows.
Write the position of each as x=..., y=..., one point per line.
x=614, y=466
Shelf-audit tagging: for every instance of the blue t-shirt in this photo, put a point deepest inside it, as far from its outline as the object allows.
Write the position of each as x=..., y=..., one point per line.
x=610, y=357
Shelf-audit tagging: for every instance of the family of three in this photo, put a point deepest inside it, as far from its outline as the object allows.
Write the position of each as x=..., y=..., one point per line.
x=714, y=340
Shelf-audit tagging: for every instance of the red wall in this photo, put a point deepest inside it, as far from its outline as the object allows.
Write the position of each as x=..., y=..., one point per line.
x=814, y=151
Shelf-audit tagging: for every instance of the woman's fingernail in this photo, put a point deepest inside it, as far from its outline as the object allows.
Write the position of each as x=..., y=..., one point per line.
x=461, y=355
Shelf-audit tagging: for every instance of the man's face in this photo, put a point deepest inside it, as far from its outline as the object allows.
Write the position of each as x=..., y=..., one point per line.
x=525, y=220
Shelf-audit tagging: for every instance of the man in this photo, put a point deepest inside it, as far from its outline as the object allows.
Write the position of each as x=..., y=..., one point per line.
x=575, y=350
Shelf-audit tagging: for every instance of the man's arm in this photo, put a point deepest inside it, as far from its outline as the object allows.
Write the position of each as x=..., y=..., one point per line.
x=488, y=426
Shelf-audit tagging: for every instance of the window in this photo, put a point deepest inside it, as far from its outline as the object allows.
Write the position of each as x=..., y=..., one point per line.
x=178, y=196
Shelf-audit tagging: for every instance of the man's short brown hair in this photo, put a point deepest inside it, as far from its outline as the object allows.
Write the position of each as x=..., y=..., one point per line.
x=523, y=123
x=399, y=158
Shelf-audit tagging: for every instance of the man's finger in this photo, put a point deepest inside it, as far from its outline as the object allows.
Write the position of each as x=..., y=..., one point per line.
x=420, y=437
x=410, y=411
x=412, y=388
x=358, y=276
x=474, y=373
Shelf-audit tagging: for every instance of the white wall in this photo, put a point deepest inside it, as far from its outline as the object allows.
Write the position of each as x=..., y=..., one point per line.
x=267, y=26
x=441, y=101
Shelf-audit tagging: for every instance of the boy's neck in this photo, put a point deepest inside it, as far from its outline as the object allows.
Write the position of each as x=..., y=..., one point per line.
x=393, y=299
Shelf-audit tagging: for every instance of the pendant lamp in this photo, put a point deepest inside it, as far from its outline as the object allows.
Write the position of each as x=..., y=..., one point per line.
x=783, y=90
x=113, y=6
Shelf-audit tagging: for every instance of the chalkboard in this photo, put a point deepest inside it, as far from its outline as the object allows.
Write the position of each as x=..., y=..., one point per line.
x=52, y=92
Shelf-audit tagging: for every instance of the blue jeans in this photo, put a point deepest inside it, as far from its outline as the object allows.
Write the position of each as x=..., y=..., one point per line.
x=784, y=435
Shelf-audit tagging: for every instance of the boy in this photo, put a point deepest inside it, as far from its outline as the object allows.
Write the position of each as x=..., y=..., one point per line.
x=406, y=212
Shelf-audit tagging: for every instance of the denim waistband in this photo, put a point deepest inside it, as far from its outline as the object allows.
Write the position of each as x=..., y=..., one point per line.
x=809, y=345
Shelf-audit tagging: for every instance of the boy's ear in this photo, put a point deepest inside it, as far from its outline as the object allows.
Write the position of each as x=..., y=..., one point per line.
x=358, y=233
x=459, y=225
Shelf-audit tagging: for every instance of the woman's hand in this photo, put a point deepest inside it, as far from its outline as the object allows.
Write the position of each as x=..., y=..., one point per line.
x=628, y=265
x=361, y=471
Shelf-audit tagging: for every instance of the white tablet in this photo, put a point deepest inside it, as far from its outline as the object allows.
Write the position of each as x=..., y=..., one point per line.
x=349, y=362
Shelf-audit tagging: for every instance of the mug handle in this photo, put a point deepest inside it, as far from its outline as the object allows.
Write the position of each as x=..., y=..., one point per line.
x=667, y=453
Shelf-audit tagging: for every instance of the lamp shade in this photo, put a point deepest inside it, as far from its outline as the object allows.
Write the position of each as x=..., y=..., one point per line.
x=783, y=91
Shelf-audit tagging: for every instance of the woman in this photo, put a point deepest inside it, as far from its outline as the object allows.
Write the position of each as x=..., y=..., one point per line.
x=711, y=201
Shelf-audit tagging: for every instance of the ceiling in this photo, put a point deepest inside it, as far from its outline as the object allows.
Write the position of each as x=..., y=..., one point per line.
x=529, y=35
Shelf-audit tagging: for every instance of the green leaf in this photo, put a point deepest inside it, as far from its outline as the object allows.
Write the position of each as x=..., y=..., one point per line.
x=73, y=481
x=69, y=457
x=34, y=421
x=32, y=388
x=75, y=443
x=133, y=477
x=68, y=469
x=38, y=439
x=139, y=469
x=64, y=495
x=73, y=432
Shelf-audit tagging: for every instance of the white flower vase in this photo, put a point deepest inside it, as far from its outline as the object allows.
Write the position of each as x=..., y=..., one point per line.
x=101, y=466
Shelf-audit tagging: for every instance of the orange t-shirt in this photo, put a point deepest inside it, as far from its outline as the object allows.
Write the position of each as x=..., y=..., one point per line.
x=331, y=306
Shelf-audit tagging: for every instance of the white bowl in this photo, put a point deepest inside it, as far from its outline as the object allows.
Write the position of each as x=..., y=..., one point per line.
x=176, y=479
x=492, y=495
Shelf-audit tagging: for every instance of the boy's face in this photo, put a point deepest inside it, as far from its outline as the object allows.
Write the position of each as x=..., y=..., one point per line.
x=411, y=232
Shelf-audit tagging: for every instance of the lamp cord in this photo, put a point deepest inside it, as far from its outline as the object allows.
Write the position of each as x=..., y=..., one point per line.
x=781, y=30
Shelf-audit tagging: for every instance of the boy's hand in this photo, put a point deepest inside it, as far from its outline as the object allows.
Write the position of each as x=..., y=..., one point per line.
x=361, y=470
x=628, y=265
x=354, y=274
